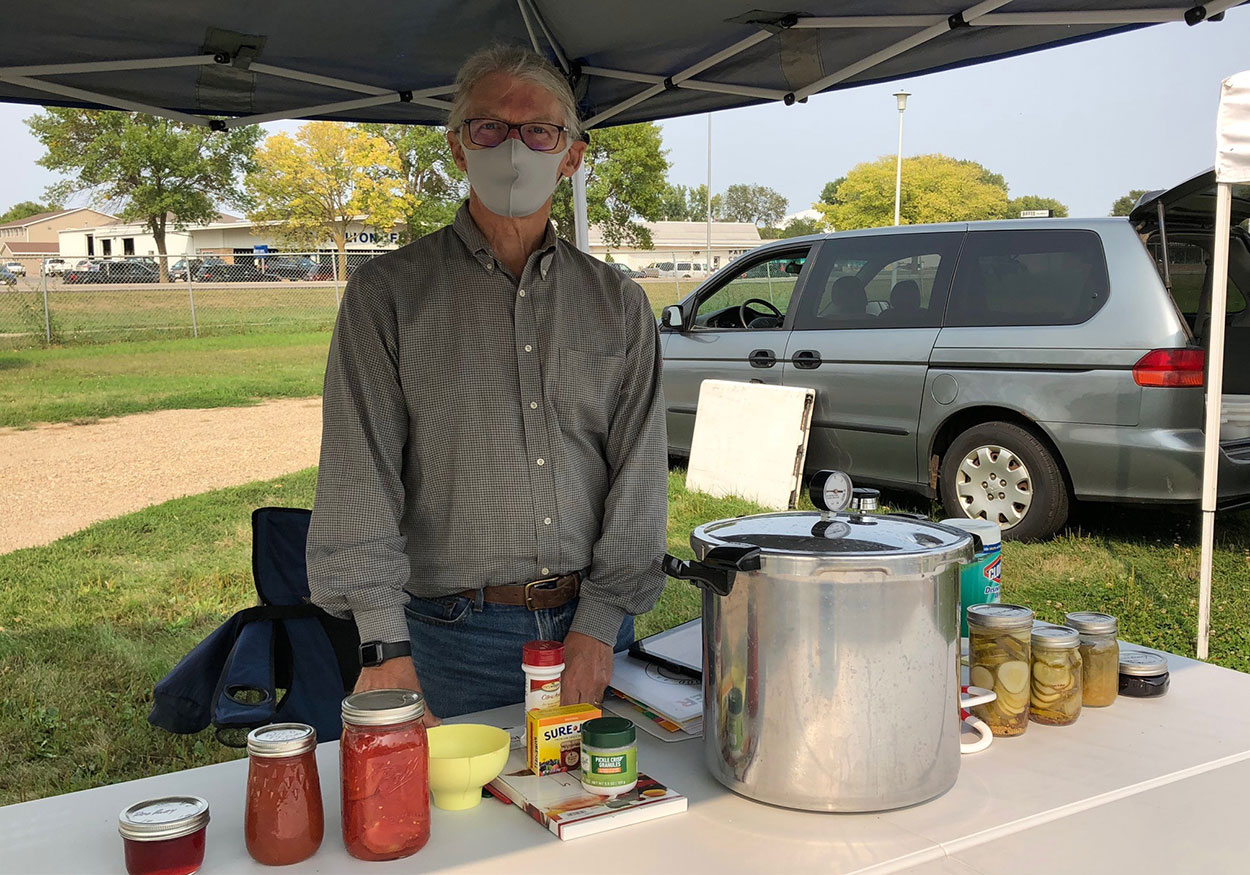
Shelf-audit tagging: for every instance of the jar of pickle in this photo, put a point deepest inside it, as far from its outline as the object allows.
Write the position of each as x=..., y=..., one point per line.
x=384, y=754
x=283, y=821
x=999, y=659
x=1055, y=689
x=1100, y=657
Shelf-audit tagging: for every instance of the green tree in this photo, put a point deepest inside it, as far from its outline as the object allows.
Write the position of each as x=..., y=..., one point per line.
x=1017, y=205
x=1124, y=205
x=829, y=194
x=801, y=228
x=698, y=205
x=433, y=185
x=314, y=185
x=758, y=204
x=625, y=182
x=936, y=188
x=675, y=204
x=26, y=209
x=163, y=173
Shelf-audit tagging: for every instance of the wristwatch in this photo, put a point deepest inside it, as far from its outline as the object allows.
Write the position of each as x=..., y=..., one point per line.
x=377, y=652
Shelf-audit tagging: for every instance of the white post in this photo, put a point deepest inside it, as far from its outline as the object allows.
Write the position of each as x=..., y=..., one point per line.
x=195, y=325
x=707, y=256
x=338, y=296
x=47, y=315
x=581, y=222
x=901, y=97
x=1215, y=388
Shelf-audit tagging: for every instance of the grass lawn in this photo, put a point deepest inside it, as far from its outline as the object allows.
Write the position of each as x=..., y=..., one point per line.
x=90, y=623
x=77, y=383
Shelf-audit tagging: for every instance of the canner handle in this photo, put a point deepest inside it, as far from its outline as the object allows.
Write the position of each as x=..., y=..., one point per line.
x=717, y=570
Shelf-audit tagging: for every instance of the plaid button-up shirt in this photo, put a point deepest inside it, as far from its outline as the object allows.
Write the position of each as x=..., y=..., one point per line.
x=484, y=429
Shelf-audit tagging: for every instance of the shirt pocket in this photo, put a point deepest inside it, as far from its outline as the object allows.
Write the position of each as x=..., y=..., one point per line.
x=586, y=389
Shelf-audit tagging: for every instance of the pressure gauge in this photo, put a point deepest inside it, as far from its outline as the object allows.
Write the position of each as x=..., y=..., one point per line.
x=831, y=491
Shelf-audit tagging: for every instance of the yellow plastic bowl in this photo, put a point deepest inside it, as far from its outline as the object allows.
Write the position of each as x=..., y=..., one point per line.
x=464, y=757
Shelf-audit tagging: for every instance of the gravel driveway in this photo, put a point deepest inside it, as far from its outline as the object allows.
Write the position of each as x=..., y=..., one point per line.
x=57, y=479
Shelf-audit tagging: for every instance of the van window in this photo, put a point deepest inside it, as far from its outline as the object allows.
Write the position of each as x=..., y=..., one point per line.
x=879, y=281
x=1042, y=277
x=768, y=283
x=1189, y=264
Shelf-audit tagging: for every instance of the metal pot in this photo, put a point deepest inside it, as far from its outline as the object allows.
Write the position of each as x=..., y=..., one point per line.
x=830, y=657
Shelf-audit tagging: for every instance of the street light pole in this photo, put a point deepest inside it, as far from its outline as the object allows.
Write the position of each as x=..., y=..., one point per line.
x=901, y=97
x=707, y=255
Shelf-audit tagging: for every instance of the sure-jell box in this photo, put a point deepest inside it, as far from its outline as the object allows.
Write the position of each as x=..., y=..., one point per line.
x=554, y=737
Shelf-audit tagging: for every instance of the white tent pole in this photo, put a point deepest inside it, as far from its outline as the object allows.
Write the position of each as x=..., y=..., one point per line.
x=109, y=66
x=551, y=40
x=897, y=48
x=529, y=27
x=321, y=109
x=105, y=99
x=1215, y=389
x=692, y=84
x=418, y=95
x=581, y=224
x=1016, y=19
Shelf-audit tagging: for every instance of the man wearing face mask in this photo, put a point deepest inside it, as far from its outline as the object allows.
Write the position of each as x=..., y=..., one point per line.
x=493, y=456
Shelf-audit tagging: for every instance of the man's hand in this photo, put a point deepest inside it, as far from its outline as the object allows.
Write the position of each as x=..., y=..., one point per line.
x=588, y=668
x=394, y=674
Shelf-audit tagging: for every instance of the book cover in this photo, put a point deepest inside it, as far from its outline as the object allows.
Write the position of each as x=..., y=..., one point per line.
x=559, y=803
x=676, y=698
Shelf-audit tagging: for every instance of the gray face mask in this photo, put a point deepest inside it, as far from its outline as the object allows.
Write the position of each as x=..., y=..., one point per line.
x=512, y=179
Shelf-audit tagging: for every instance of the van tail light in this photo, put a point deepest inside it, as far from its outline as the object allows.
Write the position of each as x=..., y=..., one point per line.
x=1171, y=368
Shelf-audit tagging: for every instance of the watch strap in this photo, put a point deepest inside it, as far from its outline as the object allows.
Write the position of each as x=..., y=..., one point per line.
x=374, y=653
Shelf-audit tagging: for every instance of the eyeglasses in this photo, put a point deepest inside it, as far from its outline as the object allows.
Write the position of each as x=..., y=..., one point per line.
x=490, y=132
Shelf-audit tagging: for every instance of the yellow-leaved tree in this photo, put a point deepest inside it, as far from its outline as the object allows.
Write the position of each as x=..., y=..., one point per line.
x=936, y=188
x=314, y=185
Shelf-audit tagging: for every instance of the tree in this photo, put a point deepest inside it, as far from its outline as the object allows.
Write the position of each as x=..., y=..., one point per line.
x=1124, y=205
x=433, y=185
x=625, y=182
x=829, y=194
x=314, y=185
x=698, y=205
x=801, y=227
x=163, y=173
x=24, y=210
x=758, y=204
x=674, y=204
x=1017, y=205
x=936, y=188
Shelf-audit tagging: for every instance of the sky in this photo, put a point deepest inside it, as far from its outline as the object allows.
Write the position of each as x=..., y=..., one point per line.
x=1084, y=123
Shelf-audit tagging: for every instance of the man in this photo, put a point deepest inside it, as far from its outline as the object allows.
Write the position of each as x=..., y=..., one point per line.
x=493, y=454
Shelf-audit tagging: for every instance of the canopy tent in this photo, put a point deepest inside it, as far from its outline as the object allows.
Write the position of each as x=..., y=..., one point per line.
x=1232, y=166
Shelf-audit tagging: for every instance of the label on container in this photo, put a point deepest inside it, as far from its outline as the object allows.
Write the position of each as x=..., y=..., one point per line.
x=609, y=769
x=980, y=583
x=542, y=694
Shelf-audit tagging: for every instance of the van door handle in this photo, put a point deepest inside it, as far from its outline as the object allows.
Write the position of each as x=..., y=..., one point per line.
x=806, y=359
x=762, y=358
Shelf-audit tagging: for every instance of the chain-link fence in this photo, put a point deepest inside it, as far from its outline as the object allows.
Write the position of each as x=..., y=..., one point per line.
x=52, y=299
x=666, y=276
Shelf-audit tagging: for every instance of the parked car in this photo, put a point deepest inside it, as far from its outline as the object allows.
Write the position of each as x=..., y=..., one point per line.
x=295, y=267
x=15, y=267
x=7, y=277
x=627, y=270
x=54, y=266
x=220, y=272
x=1003, y=367
x=683, y=269
x=114, y=272
x=82, y=272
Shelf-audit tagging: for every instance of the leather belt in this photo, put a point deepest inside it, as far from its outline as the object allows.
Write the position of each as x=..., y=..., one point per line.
x=537, y=595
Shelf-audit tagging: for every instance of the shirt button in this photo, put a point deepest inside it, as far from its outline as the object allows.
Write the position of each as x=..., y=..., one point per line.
x=545, y=571
x=521, y=293
x=529, y=348
x=547, y=521
x=490, y=266
x=541, y=463
x=533, y=405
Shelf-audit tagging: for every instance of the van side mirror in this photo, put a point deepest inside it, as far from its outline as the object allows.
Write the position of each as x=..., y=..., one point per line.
x=672, y=317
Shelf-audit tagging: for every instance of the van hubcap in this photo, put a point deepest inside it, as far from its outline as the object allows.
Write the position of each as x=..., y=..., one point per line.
x=993, y=484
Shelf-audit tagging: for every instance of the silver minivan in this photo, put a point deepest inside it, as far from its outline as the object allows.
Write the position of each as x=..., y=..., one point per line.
x=1004, y=367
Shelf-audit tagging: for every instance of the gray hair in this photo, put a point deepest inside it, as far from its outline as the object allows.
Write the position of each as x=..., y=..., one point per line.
x=519, y=63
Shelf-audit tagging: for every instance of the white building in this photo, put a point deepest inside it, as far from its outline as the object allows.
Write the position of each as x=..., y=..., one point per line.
x=228, y=236
x=682, y=242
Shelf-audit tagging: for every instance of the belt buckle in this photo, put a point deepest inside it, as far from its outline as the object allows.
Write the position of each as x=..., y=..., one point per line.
x=529, y=590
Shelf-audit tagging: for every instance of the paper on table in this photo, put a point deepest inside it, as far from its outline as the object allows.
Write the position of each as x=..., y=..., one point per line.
x=682, y=644
x=631, y=712
x=675, y=697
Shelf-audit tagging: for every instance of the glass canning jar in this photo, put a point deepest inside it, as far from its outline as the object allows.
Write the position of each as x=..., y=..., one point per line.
x=1055, y=690
x=1143, y=674
x=283, y=821
x=384, y=754
x=1100, y=657
x=999, y=659
x=164, y=836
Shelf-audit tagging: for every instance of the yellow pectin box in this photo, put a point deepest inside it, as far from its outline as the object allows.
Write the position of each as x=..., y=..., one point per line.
x=553, y=737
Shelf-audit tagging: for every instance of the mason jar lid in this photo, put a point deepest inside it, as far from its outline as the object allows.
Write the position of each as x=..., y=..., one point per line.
x=281, y=740
x=169, y=817
x=1055, y=636
x=1091, y=622
x=383, y=707
x=1142, y=663
x=842, y=539
x=608, y=732
x=1000, y=616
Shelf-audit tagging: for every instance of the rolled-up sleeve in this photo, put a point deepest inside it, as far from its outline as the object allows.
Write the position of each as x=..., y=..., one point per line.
x=356, y=561
x=625, y=575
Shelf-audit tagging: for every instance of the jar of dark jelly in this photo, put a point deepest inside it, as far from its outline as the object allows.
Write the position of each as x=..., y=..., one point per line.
x=1143, y=674
x=164, y=836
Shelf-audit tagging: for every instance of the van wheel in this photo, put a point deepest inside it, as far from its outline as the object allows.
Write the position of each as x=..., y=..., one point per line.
x=1000, y=472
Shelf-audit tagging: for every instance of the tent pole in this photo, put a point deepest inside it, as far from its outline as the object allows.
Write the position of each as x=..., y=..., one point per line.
x=551, y=40
x=1215, y=388
x=104, y=99
x=581, y=224
x=109, y=66
x=692, y=84
x=323, y=109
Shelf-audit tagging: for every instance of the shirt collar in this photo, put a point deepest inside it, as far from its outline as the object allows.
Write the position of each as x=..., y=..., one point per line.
x=477, y=243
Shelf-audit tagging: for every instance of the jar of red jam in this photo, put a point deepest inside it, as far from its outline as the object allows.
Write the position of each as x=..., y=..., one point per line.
x=164, y=836
x=283, y=822
x=386, y=779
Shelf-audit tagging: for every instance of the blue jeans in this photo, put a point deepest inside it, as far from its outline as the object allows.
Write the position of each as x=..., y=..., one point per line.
x=468, y=652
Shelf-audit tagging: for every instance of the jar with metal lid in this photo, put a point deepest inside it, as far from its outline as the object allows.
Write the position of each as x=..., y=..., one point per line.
x=1143, y=674
x=384, y=756
x=283, y=820
x=1055, y=691
x=1100, y=657
x=1000, y=659
x=164, y=836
